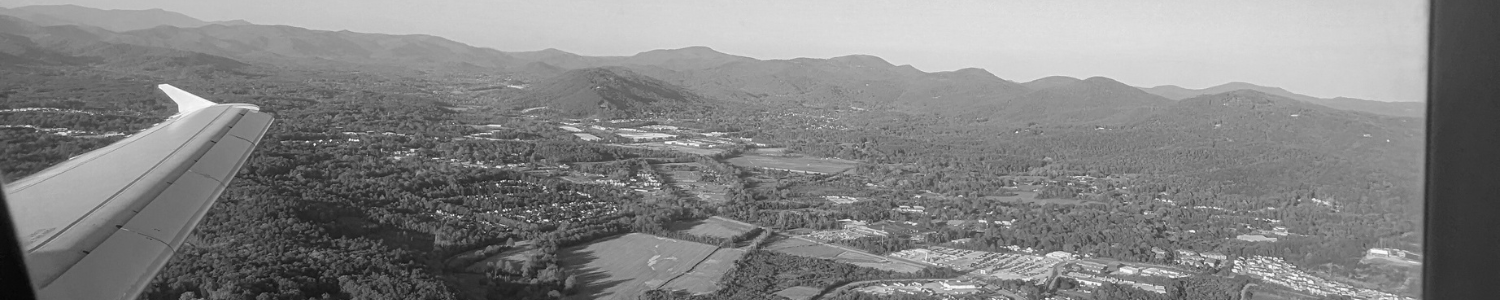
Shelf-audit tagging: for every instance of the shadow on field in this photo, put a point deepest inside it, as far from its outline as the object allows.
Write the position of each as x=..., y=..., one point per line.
x=684, y=225
x=592, y=282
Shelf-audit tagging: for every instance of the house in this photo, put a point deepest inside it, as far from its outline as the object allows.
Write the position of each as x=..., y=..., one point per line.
x=1159, y=253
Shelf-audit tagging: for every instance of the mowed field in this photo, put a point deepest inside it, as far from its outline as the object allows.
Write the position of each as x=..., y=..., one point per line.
x=622, y=267
x=712, y=226
x=678, y=148
x=803, y=163
x=704, y=277
x=807, y=248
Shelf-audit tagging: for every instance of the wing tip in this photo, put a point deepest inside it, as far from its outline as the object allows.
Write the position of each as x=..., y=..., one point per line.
x=186, y=102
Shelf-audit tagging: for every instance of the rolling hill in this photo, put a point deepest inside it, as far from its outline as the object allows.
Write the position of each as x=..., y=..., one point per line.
x=605, y=92
x=1092, y=101
x=1400, y=109
x=1050, y=82
x=1254, y=143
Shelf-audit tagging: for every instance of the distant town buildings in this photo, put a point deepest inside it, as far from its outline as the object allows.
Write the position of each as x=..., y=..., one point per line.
x=1062, y=255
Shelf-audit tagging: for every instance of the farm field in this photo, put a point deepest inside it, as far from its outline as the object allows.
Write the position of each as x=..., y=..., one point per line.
x=803, y=164
x=712, y=226
x=807, y=248
x=678, y=148
x=704, y=277
x=622, y=267
x=769, y=151
x=644, y=135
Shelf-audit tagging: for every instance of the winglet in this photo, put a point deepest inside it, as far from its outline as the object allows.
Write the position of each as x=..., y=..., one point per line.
x=186, y=102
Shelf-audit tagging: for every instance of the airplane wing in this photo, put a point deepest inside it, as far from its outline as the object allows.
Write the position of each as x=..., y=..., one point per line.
x=100, y=225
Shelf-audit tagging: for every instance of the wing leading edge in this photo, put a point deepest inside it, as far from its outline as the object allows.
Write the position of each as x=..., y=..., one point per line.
x=100, y=225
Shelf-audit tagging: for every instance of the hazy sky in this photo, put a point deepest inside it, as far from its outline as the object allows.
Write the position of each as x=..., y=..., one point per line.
x=1325, y=48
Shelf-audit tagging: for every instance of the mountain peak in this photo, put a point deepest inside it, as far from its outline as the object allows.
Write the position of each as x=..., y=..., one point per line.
x=1050, y=82
x=1102, y=80
x=975, y=71
x=862, y=59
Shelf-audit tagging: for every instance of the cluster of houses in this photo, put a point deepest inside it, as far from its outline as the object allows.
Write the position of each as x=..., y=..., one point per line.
x=984, y=263
x=851, y=230
x=1277, y=271
x=943, y=287
x=700, y=143
x=1098, y=280
x=1102, y=268
x=911, y=209
x=63, y=131
x=841, y=199
x=554, y=213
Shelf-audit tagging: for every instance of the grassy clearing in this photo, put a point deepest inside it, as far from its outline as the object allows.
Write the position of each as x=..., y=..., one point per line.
x=804, y=164
x=622, y=267
x=807, y=248
x=712, y=226
x=678, y=148
x=704, y=277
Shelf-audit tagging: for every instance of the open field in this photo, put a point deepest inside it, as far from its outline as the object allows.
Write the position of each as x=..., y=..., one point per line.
x=712, y=226
x=704, y=277
x=643, y=135
x=802, y=164
x=678, y=148
x=622, y=267
x=769, y=151
x=803, y=247
x=799, y=292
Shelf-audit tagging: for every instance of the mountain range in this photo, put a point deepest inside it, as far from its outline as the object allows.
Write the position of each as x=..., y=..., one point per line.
x=112, y=20
x=79, y=35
